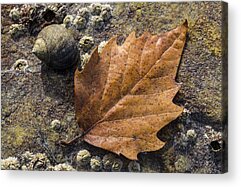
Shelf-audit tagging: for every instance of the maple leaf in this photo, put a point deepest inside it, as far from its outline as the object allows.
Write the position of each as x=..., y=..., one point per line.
x=124, y=95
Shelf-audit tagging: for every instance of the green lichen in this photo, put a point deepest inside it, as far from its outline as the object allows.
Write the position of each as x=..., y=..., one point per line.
x=16, y=136
x=210, y=34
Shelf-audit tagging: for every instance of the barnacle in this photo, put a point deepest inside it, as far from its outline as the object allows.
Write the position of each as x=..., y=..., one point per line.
x=96, y=163
x=17, y=30
x=83, y=157
x=10, y=163
x=98, y=22
x=56, y=125
x=86, y=43
x=117, y=165
x=68, y=21
x=101, y=46
x=84, y=12
x=95, y=8
x=108, y=161
x=15, y=14
x=106, y=12
x=61, y=167
x=191, y=134
x=20, y=65
x=181, y=165
x=134, y=166
x=79, y=22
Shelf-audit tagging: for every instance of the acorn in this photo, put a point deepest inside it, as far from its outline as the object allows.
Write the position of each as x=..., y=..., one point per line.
x=56, y=47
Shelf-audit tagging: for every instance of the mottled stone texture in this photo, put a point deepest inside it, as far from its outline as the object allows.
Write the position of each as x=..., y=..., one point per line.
x=32, y=99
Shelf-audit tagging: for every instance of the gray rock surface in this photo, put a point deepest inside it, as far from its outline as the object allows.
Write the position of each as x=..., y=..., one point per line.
x=33, y=98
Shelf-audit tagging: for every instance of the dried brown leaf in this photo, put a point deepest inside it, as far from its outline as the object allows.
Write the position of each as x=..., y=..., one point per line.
x=124, y=95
